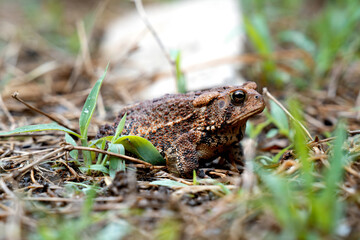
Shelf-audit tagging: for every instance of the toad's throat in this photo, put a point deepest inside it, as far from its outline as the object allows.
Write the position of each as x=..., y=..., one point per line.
x=241, y=118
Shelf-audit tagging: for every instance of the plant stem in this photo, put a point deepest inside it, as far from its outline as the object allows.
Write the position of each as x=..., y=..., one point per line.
x=269, y=95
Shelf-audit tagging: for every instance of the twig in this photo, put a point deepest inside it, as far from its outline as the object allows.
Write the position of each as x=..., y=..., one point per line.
x=72, y=171
x=76, y=211
x=83, y=58
x=27, y=154
x=269, y=95
x=37, y=72
x=352, y=171
x=180, y=191
x=35, y=109
x=6, y=189
x=74, y=74
x=69, y=147
x=172, y=177
x=25, y=220
x=148, y=166
x=58, y=199
x=7, y=113
x=248, y=58
x=140, y=8
x=141, y=11
x=314, y=143
x=132, y=48
x=13, y=229
x=33, y=177
x=31, y=165
x=84, y=47
x=224, y=171
x=334, y=80
x=354, y=132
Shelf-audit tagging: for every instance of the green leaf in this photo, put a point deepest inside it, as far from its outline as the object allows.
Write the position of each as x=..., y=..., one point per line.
x=100, y=145
x=96, y=142
x=115, y=229
x=299, y=39
x=141, y=148
x=99, y=167
x=116, y=164
x=329, y=198
x=276, y=158
x=265, y=161
x=168, y=183
x=337, y=161
x=224, y=188
x=180, y=78
x=280, y=119
x=89, y=106
x=281, y=200
x=258, y=32
x=87, y=207
x=299, y=141
x=253, y=131
x=74, y=188
x=272, y=133
x=74, y=153
x=195, y=182
x=40, y=127
x=119, y=128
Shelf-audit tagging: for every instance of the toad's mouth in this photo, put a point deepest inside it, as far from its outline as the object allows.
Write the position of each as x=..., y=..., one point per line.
x=246, y=116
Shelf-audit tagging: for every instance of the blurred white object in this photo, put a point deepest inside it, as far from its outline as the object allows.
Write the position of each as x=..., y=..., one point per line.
x=202, y=30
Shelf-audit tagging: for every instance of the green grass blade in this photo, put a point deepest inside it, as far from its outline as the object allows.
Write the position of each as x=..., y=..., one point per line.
x=258, y=34
x=119, y=128
x=180, y=78
x=281, y=201
x=299, y=39
x=99, y=167
x=89, y=106
x=280, y=119
x=116, y=164
x=99, y=141
x=329, y=207
x=40, y=127
x=336, y=170
x=168, y=183
x=224, y=189
x=253, y=131
x=302, y=151
x=100, y=145
x=74, y=153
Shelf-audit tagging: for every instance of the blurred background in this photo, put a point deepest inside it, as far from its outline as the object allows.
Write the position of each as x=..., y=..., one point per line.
x=59, y=48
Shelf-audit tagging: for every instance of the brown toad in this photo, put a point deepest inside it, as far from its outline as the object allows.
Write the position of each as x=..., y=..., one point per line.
x=193, y=127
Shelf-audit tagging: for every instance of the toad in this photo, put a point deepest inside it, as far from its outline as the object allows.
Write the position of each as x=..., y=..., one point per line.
x=189, y=128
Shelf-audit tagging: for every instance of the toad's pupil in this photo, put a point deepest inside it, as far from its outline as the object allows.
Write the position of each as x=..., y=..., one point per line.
x=238, y=97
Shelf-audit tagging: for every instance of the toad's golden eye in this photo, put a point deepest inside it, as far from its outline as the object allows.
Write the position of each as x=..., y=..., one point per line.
x=238, y=97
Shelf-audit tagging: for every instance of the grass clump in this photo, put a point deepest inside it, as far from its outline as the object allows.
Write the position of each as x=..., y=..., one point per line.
x=307, y=203
x=326, y=36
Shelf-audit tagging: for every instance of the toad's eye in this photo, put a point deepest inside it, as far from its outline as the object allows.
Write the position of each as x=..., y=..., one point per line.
x=238, y=97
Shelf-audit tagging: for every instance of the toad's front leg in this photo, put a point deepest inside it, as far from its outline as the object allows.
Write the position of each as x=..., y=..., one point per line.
x=235, y=156
x=182, y=157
